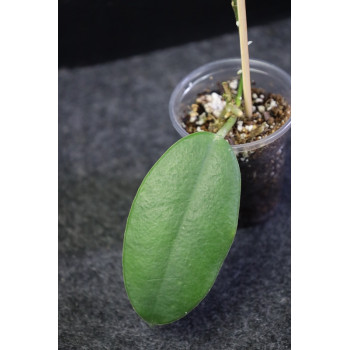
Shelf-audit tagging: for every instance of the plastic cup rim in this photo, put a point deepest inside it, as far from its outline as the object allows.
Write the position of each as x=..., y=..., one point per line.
x=187, y=80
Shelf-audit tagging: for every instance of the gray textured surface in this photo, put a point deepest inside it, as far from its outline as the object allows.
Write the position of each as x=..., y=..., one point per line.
x=113, y=125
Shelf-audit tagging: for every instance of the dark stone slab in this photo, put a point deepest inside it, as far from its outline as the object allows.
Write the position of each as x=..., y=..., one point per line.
x=113, y=125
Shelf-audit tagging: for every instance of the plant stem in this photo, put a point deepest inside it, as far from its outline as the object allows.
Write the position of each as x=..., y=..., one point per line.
x=226, y=128
x=233, y=109
x=227, y=92
x=243, y=40
x=230, y=107
x=238, y=99
x=234, y=6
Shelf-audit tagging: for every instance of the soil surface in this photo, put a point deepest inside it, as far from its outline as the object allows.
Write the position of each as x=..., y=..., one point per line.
x=270, y=112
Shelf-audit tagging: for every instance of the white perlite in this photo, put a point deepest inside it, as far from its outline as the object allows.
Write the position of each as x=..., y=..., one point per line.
x=193, y=116
x=240, y=125
x=234, y=84
x=201, y=119
x=273, y=104
x=214, y=104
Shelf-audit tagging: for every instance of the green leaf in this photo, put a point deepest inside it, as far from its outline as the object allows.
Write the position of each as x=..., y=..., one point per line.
x=181, y=226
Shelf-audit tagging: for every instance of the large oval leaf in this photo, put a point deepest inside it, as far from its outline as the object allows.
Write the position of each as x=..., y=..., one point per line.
x=180, y=228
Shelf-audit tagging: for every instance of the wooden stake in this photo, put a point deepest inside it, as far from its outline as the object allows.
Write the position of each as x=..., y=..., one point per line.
x=243, y=41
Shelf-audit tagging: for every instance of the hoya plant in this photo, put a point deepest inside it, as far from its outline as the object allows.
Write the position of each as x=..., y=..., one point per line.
x=184, y=217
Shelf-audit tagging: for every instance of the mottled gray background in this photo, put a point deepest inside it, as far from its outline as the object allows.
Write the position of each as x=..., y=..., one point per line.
x=113, y=125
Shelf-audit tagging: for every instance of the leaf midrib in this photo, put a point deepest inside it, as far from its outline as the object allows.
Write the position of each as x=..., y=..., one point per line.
x=178, y=230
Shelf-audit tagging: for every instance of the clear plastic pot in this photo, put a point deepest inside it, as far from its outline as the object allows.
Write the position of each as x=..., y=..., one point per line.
x=261, y=162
